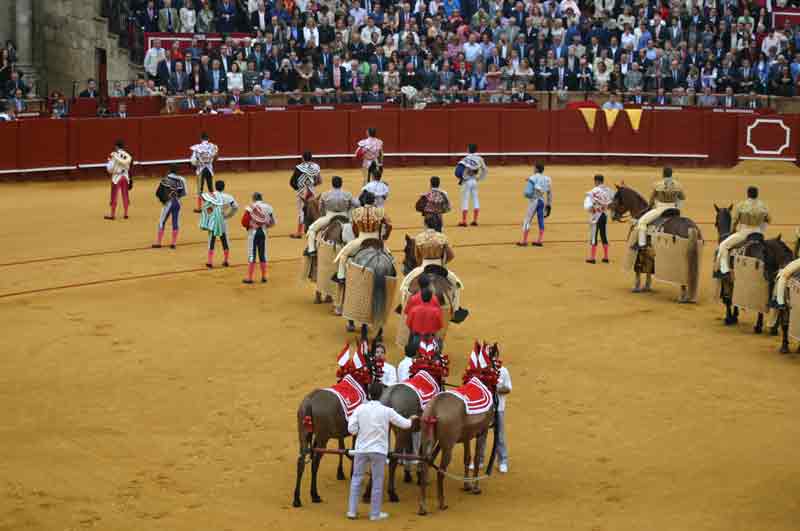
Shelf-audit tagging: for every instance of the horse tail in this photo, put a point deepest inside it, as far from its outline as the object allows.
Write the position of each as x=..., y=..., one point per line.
x=379, y=291
x=694, y=264
x=305, y=426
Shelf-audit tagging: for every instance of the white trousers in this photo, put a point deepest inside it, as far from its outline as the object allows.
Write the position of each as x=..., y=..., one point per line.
x=723, y=261
x=469, y=190
x=783, y=277
x=301, y=217
x=649, y=217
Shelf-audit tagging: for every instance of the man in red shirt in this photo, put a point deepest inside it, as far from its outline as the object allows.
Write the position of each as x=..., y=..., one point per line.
x=425, y=319
x=416, y=299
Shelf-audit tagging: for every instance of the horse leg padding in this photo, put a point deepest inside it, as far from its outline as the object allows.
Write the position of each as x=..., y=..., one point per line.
x=672, y=258
x=357, y=305
x=750, y=288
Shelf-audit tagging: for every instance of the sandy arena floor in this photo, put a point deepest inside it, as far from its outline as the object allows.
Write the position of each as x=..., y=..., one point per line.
x=140, y=391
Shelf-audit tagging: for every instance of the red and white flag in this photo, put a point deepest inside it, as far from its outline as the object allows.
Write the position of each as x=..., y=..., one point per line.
x=344, y=356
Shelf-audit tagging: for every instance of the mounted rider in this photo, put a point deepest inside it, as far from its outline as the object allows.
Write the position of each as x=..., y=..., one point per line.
x=369, y=223
x=749, y=216
x=432, y=248
x=305, y=178
x=335, y=202
x=667, y=195
x=783, y=277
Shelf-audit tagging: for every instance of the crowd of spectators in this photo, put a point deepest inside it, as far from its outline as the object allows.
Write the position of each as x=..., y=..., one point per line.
x=675, y=51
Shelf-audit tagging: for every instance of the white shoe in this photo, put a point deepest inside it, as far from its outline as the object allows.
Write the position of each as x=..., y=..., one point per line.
x=503, y=468
x=352, y=516
x=381, y=516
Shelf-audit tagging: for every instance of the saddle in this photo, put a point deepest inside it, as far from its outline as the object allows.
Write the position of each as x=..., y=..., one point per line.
x=754, y=247
x=665, y=216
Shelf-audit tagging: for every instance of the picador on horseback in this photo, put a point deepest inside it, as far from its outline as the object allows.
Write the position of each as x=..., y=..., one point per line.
x=335, y=203
x=667, y=195
x=751, y=216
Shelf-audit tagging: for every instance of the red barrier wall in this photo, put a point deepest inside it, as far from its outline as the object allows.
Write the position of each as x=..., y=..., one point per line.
x=265, y=140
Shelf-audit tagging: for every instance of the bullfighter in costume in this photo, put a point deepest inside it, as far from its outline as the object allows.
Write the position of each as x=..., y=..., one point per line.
x=376, y=186
x=369, y=222
x=596, y=203
x=334, y=202
x=783, y=277
x=369, y=150
x=217, y=208
x=431, y=247
x=434, y=201
x=257, y=218
x=470, y=171
x=539, y=192
x=118, y=167
x=667, y=194
x=171, y=190
x=750, y=216
x=203, y=156
x=305, y=178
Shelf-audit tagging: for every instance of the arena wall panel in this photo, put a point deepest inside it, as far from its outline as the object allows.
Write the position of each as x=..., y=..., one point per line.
x=623, y=139
x=43, y=144
x=481, y=127
x=524, y=131
x=767, y=137
x=424, y=132
x=230, y=133
x=386, y=123
x=9, y=136
x=96, y=138
x=325, y=132
x=170, y=137
x=721, y=134
x=569, y=133
x=274, y=133
x=678, y=132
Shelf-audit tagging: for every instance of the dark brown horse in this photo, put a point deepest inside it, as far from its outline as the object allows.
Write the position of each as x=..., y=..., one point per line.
x=320, y=418
x=446, y=423
x=774, y=253
x=628, y=201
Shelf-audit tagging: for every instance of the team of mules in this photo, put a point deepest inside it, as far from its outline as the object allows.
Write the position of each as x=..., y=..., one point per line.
x=769, y=255
x=673, y=250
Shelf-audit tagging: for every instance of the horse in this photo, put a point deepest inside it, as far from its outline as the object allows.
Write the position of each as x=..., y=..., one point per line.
x=773, y=252
x=446, y=423
x=442, y=287
x=329, y=242
x=320, y=418
x=626, y=200
x=372, y=257
x=405, y=401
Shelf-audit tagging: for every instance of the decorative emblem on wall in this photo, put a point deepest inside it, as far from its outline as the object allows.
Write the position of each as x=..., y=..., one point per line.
x=768, y=136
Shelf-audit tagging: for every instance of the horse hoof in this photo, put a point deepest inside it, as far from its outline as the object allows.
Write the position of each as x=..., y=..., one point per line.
x=636, y=290
x=729, y=322
x=467, y=487
x=351, y=327
x=784, y=349
x=316, y=499
x=317, y=298
x=296, y=503
x=476, y=491
x=365, y=499
x=340, y=475
x=407, y=477
x=393, y=497
x=443, y=507
x=328, y=299
x=422, y=512
x=758, y=330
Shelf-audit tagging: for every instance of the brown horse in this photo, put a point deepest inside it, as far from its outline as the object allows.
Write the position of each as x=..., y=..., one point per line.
x=405, y=401
x=774, y=253
x=446, y=423
x=628, y=201
x=438, y=277
x=320, y=418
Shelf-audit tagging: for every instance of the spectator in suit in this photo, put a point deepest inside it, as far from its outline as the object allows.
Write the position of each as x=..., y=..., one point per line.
x=140, y=89
x=206, y=19
x=178, y=81
x=660, y=98
x=17, y=102
x=747, y=77
x=634, y=78
x=729, y=99
x=374, y=77
x=259, y=19
x=90, y=91
x=168, y=19
x=216, y=80
x=16, y=83
x=151, y=59
x=257, y=98
x=446, y=76
x=251, y=77
x=410, y=77
x=148, y=18
x=375, y=95
x=752, y=101
x=707, y=99
x=122, y=110
x=429, y=77
x=188, y=16
x=338, y=75
x=116, y=90
x=561, y=78
x=358, y=95
x=164, y=70
x=636, y=97
x=226, y=16
x=189, y=103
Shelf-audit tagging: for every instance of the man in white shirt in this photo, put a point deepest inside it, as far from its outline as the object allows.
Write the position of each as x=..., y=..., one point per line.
x=503, y=388
x=389, y=372
x=370, y=421
x=153, y=57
